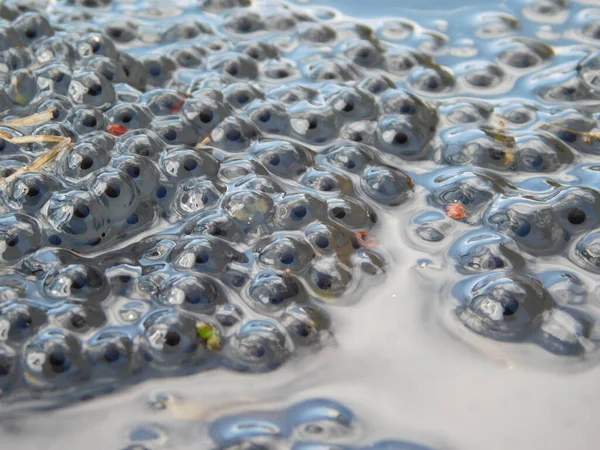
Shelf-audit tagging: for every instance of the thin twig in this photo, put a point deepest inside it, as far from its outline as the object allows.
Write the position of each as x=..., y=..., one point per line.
x=586, y=134
x=37, y=139
x=34, y=119
x=50, y=155
x=43, y=160
x=207, y=140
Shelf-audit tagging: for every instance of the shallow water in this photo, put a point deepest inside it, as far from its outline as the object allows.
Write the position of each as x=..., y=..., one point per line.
x=394, y=366
x=416, y=354
x=386, y=9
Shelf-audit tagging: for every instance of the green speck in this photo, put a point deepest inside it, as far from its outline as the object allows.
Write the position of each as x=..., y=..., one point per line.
x=205, y=331
x=209, y=335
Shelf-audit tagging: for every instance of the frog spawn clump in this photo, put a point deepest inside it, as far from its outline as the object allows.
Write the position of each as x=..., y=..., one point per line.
x=216, y=135
x=247, y=233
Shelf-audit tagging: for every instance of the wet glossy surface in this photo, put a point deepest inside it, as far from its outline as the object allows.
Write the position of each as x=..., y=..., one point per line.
x=390, y=242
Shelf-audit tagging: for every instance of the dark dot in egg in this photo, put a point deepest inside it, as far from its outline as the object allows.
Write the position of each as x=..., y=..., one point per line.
x=81, y=211
x=576, y=216
x=338, y=212
x=299, y=212
x=86, y=163
x=11, y=241
x=172, y=338
x=287, y=258
x=33, y=191
x=113, y=190
x=322, y=242
x=206, y=116
x=190, y=164
x=400, y=138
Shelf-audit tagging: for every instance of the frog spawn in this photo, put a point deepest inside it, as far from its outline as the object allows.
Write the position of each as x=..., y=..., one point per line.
x=305, y=425
x=320, y=204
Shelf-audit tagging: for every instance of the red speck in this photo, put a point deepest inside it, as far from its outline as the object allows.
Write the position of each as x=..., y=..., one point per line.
x=456, y=211
x=116, y=130
x=177, y=106
x=365, y=239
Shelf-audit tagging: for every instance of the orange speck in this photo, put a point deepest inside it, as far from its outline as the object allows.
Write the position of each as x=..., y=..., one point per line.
x=365, y=239
x=116, y=130
x=456, y=211
x=177, y=106
x=185, y=94
x=587, y=140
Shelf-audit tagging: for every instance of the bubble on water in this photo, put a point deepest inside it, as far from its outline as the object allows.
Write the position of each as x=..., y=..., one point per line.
x=132, y=311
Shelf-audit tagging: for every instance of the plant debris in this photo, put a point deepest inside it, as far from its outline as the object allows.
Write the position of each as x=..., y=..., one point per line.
x=209, y=335
x=32, y=120
x=116, y=130
x=207, y=140
x=45, y=159
x=365, y=239
x=456, y=211
x=588, y=136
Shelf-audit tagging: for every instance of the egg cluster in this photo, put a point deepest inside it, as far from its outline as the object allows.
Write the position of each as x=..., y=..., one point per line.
x=229, y=165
